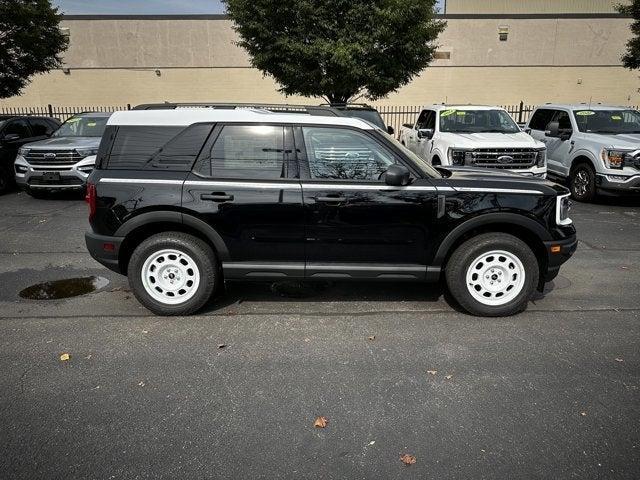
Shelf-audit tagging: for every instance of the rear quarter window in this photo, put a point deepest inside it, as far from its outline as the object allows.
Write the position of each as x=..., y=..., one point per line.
x=157, y=147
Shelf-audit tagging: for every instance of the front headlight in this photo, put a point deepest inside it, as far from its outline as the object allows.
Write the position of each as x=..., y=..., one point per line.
x=614, y=158
x=460, y=156
x=86, y=152
x=541, y=157
x=563, y=206
x=22, y=151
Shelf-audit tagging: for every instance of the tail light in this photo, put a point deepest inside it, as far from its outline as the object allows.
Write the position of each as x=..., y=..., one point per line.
x=90, y=198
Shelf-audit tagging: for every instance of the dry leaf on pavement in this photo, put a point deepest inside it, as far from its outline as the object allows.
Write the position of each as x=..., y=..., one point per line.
x=584, y=414
x=65, y=357
x=408, y=459
x=619, y=360
x=432, y=372
x=448, y=377
x=321, y=422
x=371, y=338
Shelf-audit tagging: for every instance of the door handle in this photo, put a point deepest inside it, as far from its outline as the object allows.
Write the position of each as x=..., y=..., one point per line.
x=217, y=197
x=331, y=199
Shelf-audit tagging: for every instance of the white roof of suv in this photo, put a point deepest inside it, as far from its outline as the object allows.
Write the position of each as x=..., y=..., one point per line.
x=583, y=106
x=189, y=116
x=441, y=107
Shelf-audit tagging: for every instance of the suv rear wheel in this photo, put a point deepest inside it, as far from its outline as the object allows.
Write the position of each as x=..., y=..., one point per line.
x=493, y=274
x=173, y=273
x=582, y=182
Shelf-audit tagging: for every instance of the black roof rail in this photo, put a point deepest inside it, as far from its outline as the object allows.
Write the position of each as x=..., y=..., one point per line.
x=272, y=107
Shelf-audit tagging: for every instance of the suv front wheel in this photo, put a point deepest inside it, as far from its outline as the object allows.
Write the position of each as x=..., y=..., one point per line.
x=173, y=273
x=493, y=274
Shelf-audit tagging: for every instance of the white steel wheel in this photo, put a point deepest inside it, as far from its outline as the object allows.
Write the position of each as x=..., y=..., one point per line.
x=170, y=276
x=495, y=277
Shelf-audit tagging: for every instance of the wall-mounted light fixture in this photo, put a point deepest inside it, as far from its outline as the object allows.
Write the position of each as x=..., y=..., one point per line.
x=503, y=33
x=158, y=73
x=66, y=71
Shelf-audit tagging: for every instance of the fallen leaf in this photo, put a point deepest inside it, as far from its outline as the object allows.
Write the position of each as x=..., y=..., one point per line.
x=222, y=345
x=432, y=372
x=88, y=357
x=65, y=357
x=307, y=340
x=448, y=377
x=145, y=331
x=619, y=360
x=141, y=384
x=371, y=338
x=624, y=268
x=408, y=459
x=372, y=442
x=584, y=414
x=321, y=422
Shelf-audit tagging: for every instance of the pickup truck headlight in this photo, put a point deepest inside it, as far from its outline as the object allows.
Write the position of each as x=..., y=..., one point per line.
x=86, y=152
x=460, y=156
x=541, y=157
x=614, y=158
x=22, y=151
x=563, y=206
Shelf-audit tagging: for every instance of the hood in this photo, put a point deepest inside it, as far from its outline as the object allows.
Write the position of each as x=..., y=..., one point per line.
x=491, y=140
x=65, y=143
x=470, y=177
x=624, y=140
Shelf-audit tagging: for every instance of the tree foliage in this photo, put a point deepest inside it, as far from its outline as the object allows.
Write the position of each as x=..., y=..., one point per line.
x=631, y=57
x=30, y=42
x=338, y=48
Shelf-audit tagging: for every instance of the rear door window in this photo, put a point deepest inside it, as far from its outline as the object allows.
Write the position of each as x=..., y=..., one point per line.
x=248, y=152
x=17, y=127
x=40, y=127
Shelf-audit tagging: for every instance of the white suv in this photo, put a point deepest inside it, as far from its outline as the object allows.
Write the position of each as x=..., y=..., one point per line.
x=595, y=147
x=474, y=136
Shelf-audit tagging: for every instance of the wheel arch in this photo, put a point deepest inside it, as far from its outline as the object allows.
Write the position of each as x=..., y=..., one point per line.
x=147, y=224
x=581, y=157
x=520, y=226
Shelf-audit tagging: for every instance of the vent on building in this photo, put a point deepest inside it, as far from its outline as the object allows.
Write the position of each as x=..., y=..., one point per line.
x=503, y=32
x=442, y=56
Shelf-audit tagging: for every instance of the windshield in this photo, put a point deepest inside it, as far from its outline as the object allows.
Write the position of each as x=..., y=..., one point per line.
x=82, y=126
x=372, y=116
x=420, y=163
x=477, y=121
x=608, y=121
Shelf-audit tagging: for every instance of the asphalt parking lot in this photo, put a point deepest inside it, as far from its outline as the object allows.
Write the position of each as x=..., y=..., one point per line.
x=233, y=392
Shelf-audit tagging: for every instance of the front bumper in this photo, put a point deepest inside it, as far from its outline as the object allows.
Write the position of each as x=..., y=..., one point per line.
x=104, y=249
x=71, y=177
x=619, y=183
x=558, y=252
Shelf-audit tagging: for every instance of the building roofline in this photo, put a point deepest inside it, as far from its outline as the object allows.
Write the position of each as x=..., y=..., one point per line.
x=451, y=16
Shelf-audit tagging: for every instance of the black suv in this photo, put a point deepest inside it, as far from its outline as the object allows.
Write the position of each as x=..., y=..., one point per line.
x=16, y=131
x=182, y=200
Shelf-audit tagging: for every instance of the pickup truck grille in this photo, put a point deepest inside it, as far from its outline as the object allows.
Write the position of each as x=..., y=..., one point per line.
x=511, y=158
x=53, y=157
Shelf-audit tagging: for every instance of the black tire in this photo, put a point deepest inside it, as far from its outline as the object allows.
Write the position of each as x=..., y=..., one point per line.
x=461, y=260
x=435, y=161
x=199, y=251
x=582, y=182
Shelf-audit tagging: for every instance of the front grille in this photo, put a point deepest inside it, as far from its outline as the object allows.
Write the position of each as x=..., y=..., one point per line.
x=489, y=157
x=53, y=157
x=62, y=181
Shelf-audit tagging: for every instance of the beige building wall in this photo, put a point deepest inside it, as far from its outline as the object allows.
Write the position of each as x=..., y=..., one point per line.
x=114, y=62
x=530, y=6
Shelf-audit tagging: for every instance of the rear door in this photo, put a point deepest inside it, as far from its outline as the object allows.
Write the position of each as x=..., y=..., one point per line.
x=356, y=225
x=245, y=186
x=40, y=129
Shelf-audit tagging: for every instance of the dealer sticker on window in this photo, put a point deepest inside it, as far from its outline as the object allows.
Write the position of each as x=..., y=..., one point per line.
x=585, y=113
x=446, y=113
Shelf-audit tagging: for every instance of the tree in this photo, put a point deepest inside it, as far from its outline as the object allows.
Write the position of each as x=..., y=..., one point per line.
x=338, y=49
x=30, y=42
x=631, y=58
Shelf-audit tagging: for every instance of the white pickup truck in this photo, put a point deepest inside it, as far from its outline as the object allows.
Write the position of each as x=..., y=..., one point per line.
x=474, y=136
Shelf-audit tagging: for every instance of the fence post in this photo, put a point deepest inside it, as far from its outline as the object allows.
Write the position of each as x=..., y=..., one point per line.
x=50, y=110
x=520, y=111
x=128, y=106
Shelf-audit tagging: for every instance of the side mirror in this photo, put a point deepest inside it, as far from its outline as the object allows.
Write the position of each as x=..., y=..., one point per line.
x=11, y=137
x=426, y=133
x=554, y=130
x=391, y=130
x=397, y=175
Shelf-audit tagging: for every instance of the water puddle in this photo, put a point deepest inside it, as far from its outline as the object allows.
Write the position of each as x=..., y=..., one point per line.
x=66, y=288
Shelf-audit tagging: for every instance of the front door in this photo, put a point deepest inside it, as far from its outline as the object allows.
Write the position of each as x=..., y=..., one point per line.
x=356, y=225
x=244, y=186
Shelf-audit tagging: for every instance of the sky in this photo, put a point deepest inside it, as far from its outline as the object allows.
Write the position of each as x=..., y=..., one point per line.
x=143, y=7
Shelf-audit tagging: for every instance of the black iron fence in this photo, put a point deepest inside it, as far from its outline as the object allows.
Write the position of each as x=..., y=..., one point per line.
x=61, y=113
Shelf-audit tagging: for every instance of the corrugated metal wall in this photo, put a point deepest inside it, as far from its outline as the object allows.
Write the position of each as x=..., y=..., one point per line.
x=530, y=6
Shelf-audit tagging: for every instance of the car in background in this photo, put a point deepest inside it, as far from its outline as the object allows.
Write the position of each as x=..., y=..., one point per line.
x=474, y=136
x=364, y=112
x=15, y=131
x=595, y=147
x=64, y=161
